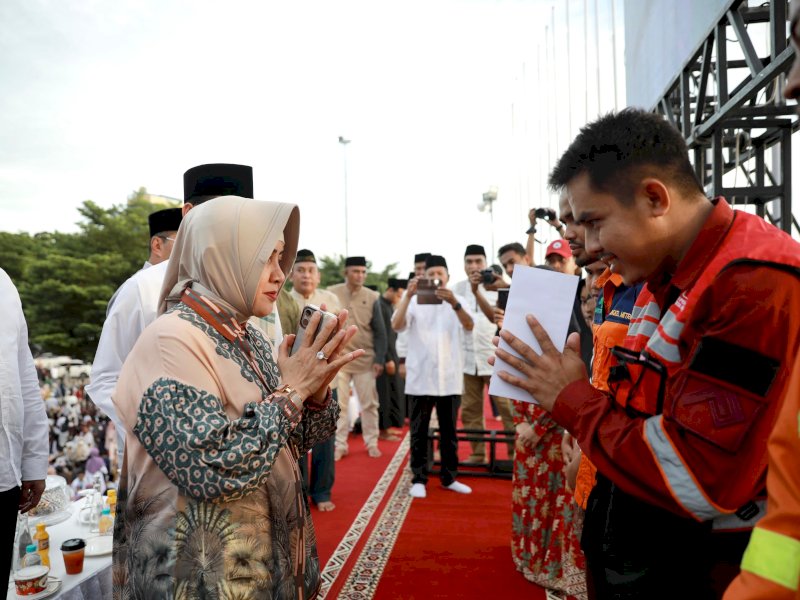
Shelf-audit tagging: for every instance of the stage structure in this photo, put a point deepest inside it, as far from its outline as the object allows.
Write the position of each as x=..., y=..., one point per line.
x=728, y=102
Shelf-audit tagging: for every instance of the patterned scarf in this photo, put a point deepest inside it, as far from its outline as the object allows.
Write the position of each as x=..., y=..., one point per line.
x=226, y=325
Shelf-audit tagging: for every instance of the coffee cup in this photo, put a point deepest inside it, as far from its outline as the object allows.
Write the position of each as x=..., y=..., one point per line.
x=31, y=580
x=73, y=552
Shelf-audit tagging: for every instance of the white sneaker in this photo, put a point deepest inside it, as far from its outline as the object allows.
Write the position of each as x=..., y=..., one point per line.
x=459, y=487
x=417, y=491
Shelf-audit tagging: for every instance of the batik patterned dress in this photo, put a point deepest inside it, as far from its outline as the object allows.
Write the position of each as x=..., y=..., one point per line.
x=544, y=545
x=210, y=502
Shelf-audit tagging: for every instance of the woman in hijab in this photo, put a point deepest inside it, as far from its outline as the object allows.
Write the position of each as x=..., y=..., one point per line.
x=210, y=502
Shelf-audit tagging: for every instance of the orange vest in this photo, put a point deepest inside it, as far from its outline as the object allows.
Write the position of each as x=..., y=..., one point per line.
x=612, y=317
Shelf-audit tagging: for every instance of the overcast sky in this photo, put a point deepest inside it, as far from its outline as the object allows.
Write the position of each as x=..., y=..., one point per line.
x=441, y=99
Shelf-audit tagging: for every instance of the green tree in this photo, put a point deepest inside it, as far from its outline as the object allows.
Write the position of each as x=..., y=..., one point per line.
x=66, y=279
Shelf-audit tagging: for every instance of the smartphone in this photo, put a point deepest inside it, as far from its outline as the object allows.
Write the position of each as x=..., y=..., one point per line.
x=502, y=298
x=426, y=291
x=305, y=318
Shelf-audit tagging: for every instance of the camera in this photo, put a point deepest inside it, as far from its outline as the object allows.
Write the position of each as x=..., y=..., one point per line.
x=545, y=213
x=487, y=276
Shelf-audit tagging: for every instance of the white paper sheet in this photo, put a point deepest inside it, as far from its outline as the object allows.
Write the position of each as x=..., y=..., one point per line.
x=547, y=295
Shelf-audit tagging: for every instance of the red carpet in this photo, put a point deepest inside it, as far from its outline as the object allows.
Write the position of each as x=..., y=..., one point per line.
x=356, y=476
x=378, y=543
x=455, y=546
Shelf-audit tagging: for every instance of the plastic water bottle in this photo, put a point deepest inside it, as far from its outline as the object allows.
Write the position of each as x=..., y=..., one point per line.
x=31, y=557
x=24, y=537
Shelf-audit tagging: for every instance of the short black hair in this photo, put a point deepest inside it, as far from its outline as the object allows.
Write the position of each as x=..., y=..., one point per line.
x=619, y=149
x=512, y=247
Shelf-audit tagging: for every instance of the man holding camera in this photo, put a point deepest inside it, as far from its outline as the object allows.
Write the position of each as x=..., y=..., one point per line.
x=364, y=312
x=305, y=290
x=435, y=319
x=479, y=302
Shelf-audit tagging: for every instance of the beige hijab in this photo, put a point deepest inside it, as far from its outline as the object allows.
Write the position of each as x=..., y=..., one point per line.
x=221, y=248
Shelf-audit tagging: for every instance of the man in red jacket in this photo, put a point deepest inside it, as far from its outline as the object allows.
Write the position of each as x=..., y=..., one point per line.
x=680, y=438
x=771, y=563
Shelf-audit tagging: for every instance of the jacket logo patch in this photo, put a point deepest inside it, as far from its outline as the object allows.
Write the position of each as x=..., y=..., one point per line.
x=726, y=409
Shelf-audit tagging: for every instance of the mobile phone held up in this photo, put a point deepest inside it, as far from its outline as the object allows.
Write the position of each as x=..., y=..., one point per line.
x=426, y=291
x=502, y=298
x=305, y=318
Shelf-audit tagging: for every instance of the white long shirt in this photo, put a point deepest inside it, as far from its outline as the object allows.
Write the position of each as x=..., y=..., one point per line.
x=478, y=345
x=135, y=306
x=24, y=430
x=435, y=360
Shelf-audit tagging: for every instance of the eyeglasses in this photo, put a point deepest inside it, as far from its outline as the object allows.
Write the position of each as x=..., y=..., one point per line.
x=166, y=239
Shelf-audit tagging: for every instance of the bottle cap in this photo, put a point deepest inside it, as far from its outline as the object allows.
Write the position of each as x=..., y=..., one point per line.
x=40, y=526
x=106, y=511
x=31, y=548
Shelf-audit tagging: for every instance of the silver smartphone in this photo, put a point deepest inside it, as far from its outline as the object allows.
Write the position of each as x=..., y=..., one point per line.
x=305, y=318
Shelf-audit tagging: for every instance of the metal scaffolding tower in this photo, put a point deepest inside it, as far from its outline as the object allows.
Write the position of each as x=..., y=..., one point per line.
x=727, y=101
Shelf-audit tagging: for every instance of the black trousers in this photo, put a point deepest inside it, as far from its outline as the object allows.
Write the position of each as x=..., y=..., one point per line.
x=323, y=467
x=636, y=550
x=9, y=506
x=420, y=408
x=390, y=409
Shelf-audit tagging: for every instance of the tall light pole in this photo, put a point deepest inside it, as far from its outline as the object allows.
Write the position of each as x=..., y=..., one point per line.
x=344, y=143
x=489, y=198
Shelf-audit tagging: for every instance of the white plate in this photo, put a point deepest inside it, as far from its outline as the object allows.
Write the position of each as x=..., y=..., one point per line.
x=99, y=545
x=53, y=585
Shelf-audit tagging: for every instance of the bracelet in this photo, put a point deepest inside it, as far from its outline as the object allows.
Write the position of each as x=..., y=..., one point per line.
x=290, y=402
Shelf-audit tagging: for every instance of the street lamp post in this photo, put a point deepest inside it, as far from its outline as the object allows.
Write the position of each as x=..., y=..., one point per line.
x=344, y=143
x=489, y=198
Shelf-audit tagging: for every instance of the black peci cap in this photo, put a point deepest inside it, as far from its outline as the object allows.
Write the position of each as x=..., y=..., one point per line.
x=475, y=250
x=305, y=256
x=355, y=261
x=168, y=219
x=397, y=284
x=219, y=179
x=421, y=257
x=435, y=260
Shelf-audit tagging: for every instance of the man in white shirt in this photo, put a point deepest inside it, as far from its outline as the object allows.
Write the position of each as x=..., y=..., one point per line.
x=23, y=423
x=164, y=226
x=479, y=303
x=136, y=303
x=434, y=378
x=305, y=290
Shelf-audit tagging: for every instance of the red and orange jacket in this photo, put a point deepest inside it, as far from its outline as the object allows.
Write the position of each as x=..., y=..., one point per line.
x=771, y=564
x=718, y=339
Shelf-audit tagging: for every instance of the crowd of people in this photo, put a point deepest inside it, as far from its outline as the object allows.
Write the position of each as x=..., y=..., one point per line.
x=640, y=471
x=83, y=441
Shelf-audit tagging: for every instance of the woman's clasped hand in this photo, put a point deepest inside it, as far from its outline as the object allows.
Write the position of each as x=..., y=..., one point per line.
x=308, y=372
